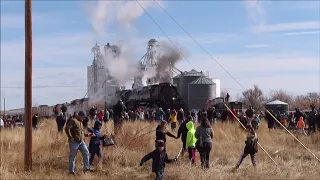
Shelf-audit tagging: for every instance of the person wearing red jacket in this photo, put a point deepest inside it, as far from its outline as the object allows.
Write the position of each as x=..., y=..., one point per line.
x=231, y=115
x=100, y=115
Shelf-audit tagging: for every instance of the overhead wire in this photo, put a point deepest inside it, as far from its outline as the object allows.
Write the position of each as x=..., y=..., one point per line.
x=198, y=44
x=230, y=75
x=42, y=86
x=190, y=63
x=246, y=128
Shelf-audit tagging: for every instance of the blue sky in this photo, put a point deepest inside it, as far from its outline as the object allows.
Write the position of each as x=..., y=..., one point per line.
x=269, y=43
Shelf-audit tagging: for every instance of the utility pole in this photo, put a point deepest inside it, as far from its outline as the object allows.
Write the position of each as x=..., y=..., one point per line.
x=28, y=87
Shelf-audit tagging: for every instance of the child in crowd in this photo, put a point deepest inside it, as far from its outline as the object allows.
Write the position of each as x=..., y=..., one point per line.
x=250, y=148
x=301, y=125
x=173, y=120
x=159, y=158
x=95, y=141
x=191, y=142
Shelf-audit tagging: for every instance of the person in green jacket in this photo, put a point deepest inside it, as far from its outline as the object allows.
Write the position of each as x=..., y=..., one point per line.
x=191, y=142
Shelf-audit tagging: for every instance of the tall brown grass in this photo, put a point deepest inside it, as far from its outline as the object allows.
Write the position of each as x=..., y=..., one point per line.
x=50, y=155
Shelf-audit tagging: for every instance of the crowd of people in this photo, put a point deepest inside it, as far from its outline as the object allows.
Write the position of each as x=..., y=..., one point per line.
x=193, y=138
x=181, y=122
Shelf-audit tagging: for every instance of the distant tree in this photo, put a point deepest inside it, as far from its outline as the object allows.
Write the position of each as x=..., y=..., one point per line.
x=281, y=95
x=253, y=97
x=305, y=101
x=314, y=98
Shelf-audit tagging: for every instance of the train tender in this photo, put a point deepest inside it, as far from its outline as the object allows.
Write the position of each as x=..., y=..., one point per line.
x=164, y=95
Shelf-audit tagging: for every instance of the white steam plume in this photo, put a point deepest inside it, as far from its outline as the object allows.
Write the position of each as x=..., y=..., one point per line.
x=100, y=15
x=123, y=12
x=130, y=11
x=120, y=67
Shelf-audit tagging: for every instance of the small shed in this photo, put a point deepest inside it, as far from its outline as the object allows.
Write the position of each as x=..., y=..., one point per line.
x=277, y=106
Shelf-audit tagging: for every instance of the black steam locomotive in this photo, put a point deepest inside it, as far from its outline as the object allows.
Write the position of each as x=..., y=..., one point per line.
x=163, y=95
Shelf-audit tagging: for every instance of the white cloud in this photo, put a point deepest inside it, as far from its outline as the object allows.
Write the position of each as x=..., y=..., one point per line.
x=294, y=26
x=256, y=46
x=255, y=11
x=302, y=33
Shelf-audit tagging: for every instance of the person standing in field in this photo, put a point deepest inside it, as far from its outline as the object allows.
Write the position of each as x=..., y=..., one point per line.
x=1, y=123
x=301, y=125
x=35, y=121
x=204, y=134
x=118, y=111
x=191, y=142
x=161, y=133
x=173, y=120
x=250, y=148
x=182, y=132
x=75, y=132
x=60, y=122
x=160, y=115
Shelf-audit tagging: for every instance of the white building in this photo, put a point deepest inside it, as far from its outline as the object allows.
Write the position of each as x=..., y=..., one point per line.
x=101, y=86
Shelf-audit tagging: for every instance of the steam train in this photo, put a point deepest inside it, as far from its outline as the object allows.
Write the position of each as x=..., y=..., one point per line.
x=164, y=95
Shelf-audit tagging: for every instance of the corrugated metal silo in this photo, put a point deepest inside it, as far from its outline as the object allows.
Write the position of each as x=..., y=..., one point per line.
x=200, y=91
x=184, y=80
x=176, y=80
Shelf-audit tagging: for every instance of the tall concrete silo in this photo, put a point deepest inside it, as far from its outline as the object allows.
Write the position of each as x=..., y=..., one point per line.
x=184, y=80
x=200, y=91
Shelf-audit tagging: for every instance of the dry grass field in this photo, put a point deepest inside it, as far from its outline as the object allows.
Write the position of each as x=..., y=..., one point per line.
x=50, y=155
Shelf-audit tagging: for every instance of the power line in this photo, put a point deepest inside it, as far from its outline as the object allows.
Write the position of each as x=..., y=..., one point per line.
x=231, y=76
x=42, y=86
x=165, y=34
x=199, y=44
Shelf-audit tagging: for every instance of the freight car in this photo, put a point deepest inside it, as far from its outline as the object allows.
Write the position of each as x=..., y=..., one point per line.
x=164, y=95
x=218, y=103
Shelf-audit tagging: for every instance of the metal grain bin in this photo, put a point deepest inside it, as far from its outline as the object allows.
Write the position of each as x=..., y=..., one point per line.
x=200, y=91
x=184, y=80
x=176, y=80
x=277, y=105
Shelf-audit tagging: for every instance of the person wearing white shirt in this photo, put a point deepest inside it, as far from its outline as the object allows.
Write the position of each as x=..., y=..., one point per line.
x=1, y=123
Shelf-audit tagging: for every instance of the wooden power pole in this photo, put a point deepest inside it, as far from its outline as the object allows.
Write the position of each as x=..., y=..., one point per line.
x=28, y=87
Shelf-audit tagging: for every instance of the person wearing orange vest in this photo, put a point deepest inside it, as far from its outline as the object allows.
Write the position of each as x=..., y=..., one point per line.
x=301, y=125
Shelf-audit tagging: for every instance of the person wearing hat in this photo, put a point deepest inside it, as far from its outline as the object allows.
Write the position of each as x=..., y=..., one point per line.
x=159, y=158
x=75, y=132
x=95, y=141
x=160, y=115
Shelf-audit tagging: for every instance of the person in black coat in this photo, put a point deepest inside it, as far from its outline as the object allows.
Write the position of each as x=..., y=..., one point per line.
x=159, y=159
x=118, y=111
x=210, y=115
x=250, y=148
x=270, y=119
x=182, y=132
x=61, y=121
x=35, y=121
x=161, y=133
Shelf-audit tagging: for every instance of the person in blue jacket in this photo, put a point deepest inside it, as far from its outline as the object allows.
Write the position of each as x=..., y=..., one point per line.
x=160, y=115
x=95, y=141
